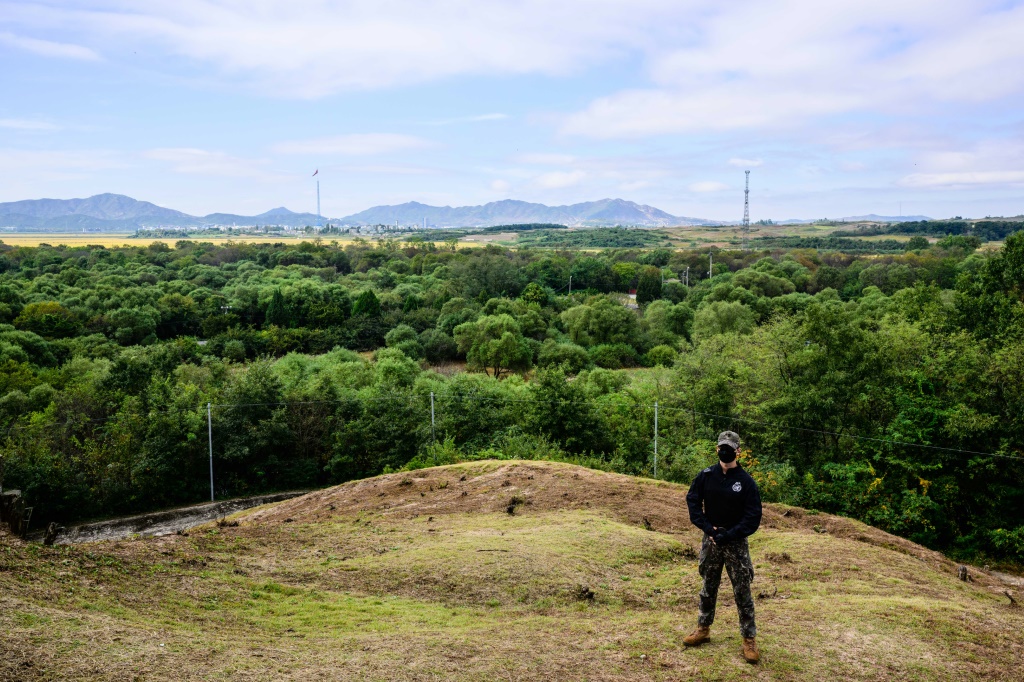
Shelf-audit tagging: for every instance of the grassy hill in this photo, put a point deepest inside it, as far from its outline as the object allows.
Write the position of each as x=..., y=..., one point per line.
x=493, y=571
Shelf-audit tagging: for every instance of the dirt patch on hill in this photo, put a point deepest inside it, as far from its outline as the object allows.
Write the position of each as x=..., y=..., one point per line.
x=525, y=487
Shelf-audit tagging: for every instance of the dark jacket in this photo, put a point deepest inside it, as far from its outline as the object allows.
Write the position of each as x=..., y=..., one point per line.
x=729, y=501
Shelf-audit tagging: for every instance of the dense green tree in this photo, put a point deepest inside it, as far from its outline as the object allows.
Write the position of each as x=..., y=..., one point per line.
x=603, y=321
x=496, y=343
x=572, y=358
x=277, y=310
x=862, y=384
x=48, y=319
x=648, y=286
x=366, y=305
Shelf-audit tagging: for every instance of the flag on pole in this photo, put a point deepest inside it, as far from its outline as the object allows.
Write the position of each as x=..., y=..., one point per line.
x=316, y=171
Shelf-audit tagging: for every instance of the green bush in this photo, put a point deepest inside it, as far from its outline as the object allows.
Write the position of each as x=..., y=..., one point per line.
x=1008, y=544
x=574, y=358
x=614, y=356
x=662, y=355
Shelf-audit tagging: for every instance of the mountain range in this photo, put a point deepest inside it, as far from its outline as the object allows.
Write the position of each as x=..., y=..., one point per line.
x=869, y=218
x=118, y=213
x=606, y=212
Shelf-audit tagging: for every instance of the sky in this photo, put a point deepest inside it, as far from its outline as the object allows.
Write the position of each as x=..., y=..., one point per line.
x=837, y=108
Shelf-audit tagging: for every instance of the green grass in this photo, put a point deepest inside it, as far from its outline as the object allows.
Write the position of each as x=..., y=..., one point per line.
x=372, y=593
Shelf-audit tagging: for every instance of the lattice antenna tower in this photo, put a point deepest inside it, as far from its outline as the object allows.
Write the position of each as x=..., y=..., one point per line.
x=746, y=213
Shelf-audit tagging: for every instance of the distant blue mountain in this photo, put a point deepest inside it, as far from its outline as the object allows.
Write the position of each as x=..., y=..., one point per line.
x=869, y=218
x=118, y=213
x=510, y=211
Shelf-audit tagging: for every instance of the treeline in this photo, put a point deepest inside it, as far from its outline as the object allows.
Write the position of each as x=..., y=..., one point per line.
x=838, y=241
x=524, y=227
x=828, y=364
x=594, y=238
x=984, y=230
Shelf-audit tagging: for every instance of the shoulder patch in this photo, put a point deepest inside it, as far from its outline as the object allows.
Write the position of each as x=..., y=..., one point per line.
x=708, y=470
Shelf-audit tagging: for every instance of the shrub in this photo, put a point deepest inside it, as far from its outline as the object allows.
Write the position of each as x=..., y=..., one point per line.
x=404, y=338
x=1008, y=544
x=574, y=358
x=662, y=355
x=916, y=243
x=438, y=346
x=613, y=355
x=234, y=350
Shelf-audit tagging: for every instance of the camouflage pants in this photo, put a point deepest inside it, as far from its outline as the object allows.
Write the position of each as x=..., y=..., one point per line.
x=735, y=556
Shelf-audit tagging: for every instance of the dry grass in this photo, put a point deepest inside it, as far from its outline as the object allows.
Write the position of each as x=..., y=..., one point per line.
x=426, y=576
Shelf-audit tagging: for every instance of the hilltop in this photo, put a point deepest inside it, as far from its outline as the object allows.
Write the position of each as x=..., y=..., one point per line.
x=119, y=213
x=493, y=570
x=602, y=213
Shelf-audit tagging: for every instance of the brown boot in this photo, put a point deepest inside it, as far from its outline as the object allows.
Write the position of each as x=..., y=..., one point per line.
x=750, y=652
x=698, y=636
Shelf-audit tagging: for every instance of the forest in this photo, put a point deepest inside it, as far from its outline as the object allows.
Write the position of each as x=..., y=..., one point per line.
x=884, y=387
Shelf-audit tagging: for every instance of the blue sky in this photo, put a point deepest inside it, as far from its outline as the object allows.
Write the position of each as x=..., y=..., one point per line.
x=838, y=108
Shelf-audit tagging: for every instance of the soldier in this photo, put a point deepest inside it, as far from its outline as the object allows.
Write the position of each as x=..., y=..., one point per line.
x=724, y=503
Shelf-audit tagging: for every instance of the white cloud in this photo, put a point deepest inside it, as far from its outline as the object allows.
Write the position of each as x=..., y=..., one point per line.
x=545, y=159
x=963, y=178
x=560, y=179
x=360, y=144
x=469, y=119
x=383, y=169
x=48, y=48
x=745, y=163
x=989, y=162
x=27, y=125
x=61, y=160
x=203, y=162
x=776, y=66
x=708, y=186
x=312, y=49
x=634, y=186
x=501, y=186
x=31, y=172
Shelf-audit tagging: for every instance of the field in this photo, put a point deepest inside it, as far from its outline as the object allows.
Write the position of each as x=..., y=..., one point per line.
x=493, y=571
x=113, y=240
x=676, y=237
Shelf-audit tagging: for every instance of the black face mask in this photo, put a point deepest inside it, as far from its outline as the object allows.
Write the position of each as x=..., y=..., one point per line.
x=726, y=454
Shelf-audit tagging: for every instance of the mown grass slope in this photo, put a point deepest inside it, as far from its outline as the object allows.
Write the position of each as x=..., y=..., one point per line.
x=493, y=571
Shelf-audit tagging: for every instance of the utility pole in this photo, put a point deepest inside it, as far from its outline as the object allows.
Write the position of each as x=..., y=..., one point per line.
x=570, y=285
x=209, y=432
x=433, y=437
x=687, y=276
x=655, y=438
x=746, y=214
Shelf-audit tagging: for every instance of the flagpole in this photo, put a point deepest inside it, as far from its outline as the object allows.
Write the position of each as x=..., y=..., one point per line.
x=319, y=220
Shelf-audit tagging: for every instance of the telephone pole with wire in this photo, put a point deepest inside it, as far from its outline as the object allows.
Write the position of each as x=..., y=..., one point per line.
x=209, y=432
